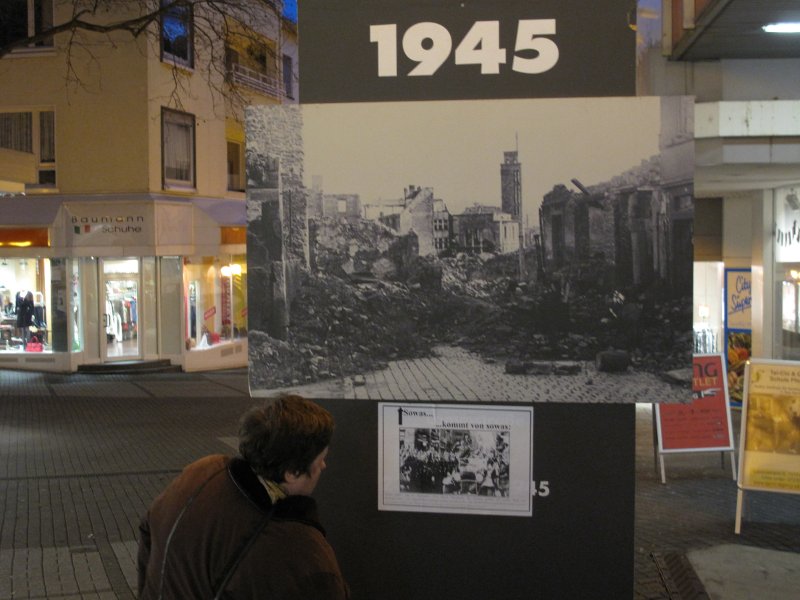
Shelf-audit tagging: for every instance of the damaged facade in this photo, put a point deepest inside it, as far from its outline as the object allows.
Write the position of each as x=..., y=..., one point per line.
x=639, y=222
x=483, y=228
x=418, y=212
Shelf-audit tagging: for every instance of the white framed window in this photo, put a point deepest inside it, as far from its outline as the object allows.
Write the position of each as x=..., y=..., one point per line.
x=177, y=149
x=21, y=19
x=177, y=34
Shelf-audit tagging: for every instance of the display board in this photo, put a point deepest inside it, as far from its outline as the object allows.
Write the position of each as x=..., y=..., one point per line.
x=437, y=292
x=769, y=453
x=704, y=425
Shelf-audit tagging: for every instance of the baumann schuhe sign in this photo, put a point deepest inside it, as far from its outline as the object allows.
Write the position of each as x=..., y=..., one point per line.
x=109, y=225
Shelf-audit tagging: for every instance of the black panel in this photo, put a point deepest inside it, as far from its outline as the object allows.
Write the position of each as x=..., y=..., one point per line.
x=578, y=544
x=339, y=62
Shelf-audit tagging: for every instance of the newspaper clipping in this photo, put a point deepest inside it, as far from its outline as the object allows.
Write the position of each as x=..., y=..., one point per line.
x=455, y=459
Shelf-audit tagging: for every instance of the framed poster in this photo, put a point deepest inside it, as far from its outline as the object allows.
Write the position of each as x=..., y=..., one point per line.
x=455, y=459
x=705, y=423
x=395, y=247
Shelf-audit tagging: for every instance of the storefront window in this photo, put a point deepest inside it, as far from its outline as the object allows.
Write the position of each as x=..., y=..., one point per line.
x=75, y=309
x=216, y=300
x=787, y=273
x=26, y=306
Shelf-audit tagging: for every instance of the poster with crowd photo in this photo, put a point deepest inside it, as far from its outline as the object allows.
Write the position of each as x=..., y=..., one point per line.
x=770, y=453
x=455, y=459
x=471, y=250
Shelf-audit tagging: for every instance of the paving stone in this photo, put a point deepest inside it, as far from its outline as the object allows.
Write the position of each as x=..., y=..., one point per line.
x=79, y=464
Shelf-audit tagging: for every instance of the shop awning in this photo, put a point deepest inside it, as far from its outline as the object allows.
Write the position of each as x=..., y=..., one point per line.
x=30, y=211
x=225, y=212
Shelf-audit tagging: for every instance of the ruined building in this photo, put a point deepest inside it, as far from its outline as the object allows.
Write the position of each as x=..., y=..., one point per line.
x=483, y=228
x=419, y=212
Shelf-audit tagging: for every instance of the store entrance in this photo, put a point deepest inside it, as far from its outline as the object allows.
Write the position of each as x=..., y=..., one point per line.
x=119, y=335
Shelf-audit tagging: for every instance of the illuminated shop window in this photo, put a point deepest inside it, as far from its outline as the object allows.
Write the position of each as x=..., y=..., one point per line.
x=25, y=307
x=216, y=300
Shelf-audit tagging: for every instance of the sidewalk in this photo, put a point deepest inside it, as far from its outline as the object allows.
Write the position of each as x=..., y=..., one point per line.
x=81, y=457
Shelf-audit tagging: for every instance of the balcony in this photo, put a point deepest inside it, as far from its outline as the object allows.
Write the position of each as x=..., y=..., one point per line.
x=261, y=82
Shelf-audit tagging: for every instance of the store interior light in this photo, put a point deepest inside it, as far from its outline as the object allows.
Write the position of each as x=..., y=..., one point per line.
x=795, y=274
x=228, y=270
x=782, y=28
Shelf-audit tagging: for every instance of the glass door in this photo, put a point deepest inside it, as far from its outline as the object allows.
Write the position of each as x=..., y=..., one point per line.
x=119, y=336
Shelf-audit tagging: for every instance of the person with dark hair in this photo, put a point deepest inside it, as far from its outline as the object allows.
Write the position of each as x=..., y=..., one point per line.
x=246, y=527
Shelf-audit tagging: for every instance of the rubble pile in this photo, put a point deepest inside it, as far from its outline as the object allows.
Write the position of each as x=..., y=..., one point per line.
x=350, y=323
x=345, y=246
x=343, y=327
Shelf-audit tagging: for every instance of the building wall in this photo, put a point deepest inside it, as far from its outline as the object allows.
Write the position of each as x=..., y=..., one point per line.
x=99, y=122
x=341, y=205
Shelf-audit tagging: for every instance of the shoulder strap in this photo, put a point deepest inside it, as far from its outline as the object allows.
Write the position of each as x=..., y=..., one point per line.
x=175, y=526
x=237, y=558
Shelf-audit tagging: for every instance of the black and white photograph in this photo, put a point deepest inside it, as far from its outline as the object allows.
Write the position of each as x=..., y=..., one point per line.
x=449, y=251
x=455, y=458
x=454, y=461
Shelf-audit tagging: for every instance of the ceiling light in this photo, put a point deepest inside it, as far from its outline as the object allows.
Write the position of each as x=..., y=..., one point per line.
x=782, y=28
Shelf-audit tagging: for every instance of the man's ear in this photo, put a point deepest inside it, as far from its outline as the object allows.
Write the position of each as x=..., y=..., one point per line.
x=291, y=476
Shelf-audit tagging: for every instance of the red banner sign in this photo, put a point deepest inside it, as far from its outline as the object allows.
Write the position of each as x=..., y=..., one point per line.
x=705, y=423
x=209, y=313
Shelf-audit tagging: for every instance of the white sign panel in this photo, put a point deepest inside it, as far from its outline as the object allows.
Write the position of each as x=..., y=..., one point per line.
x=455, y=459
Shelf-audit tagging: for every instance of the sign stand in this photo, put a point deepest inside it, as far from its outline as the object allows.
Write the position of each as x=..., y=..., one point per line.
x=704, y=425
x=770, y=432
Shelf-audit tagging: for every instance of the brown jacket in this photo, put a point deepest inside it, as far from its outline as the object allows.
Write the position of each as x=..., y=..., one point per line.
x=223, y=506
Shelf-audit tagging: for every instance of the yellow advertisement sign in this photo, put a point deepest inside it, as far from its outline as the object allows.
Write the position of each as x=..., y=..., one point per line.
x=770, y=453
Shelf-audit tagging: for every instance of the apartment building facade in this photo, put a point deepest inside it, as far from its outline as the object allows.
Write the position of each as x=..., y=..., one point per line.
x=122, y=205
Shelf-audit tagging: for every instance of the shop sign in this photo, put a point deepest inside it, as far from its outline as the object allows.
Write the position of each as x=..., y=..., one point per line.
x=109, y=224
x=209, y=313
